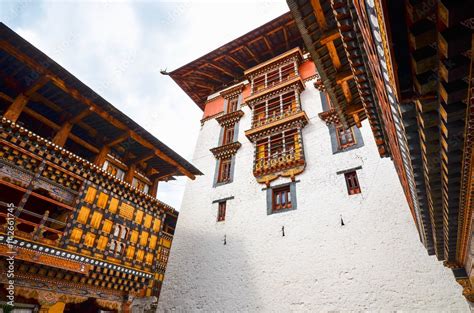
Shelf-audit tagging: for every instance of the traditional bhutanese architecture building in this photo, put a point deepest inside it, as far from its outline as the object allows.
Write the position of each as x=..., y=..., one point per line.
x=78, y=184
x=300, y=207
x=410, y=63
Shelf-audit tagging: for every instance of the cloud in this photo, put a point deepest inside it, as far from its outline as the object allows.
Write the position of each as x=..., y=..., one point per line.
x=118, y=49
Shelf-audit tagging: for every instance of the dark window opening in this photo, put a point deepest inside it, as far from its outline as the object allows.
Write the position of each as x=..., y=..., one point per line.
x=281, y=199
x=352, y=183
x=224, y=170
x=345, y=137
x=221, y=211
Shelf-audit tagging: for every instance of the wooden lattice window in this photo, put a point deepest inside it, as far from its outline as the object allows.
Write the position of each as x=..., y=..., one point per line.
x=139, y=216
x=281, y=198
x=107, y=227
x=221, y=211
x=147, y=221
x=89, y=239
x=90, y=195
x=102, y=201
x=345, y=137
x=96, y=219
x=126, y=210
x=130, y=252
x=144, y=238
x=134, y=236
x=113, y=205
x=156, y=224
x=232, y=105
x=149, y=258
x=228, y=135
x=83, y=215
x=224, y=170
x=352, y=183
x=102, y=242
x=153, y=240
x=76, y=235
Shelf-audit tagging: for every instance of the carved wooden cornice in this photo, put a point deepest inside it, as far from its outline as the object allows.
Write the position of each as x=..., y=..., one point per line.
x=229, y=119
x=294, y=54
x=296, y=83
x=232, y=92
x=226, y=151
x=298, y=120
x=281, y=168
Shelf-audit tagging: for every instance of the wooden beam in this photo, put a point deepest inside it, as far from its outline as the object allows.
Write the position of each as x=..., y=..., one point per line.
x=119, y=139
x=74, y=93
x=333, y=54
x=143, y=158
x=267, y=43
x=40, y=82
x=162, y=156
x=130, y=174
x=243, y=67
x=347, y=91
x=330, y=36
x=63, y=133
x=101, y=156
x=154, y=188
x=6, y=97
x=220, y=68
x=16, y=107
x=55, y=126
x=61, y=136
x=343, y=76
x=319, y=13
x=252, y=54
x=285, y=34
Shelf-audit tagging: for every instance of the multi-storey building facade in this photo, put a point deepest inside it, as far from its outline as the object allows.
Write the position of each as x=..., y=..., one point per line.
x=78, y=184
x=296, y=210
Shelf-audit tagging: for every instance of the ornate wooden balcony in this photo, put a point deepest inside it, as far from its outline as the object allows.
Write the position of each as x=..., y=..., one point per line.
x=284, y=121
x=287, y=164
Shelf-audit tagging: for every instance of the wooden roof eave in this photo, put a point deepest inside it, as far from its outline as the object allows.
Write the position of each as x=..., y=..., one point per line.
x=74, y=93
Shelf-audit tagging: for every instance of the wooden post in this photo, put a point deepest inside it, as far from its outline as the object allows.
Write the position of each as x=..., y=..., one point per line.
x=102, y=156
x=130, y=173
x=154, y=188
x=61, y=136
x=14, y=110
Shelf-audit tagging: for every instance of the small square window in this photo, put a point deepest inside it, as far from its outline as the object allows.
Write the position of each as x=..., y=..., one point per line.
x=281, y=199
x=352, y=183
x=221, y=211
x=345, y=137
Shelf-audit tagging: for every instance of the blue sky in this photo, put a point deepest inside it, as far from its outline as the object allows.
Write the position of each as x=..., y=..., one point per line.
x=118, y=48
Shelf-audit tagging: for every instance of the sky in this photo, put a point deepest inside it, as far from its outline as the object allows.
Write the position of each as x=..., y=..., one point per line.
x=118, y=48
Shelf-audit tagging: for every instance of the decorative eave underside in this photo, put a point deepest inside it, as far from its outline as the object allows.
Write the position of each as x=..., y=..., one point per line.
x=55, y=98
x=433, y=84
x=225, y=66
x=317, y=24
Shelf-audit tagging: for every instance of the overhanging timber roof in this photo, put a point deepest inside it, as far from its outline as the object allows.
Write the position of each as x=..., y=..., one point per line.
x=226, y=65
x=56, y=97
x=328, y=32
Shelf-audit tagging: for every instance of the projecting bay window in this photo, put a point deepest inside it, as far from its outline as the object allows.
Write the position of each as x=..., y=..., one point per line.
x=275, y=108
x=225, y=166
x=228, y=135
x=345, y=137
x=274, y=77
x=352, y=183
x=279, y=151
